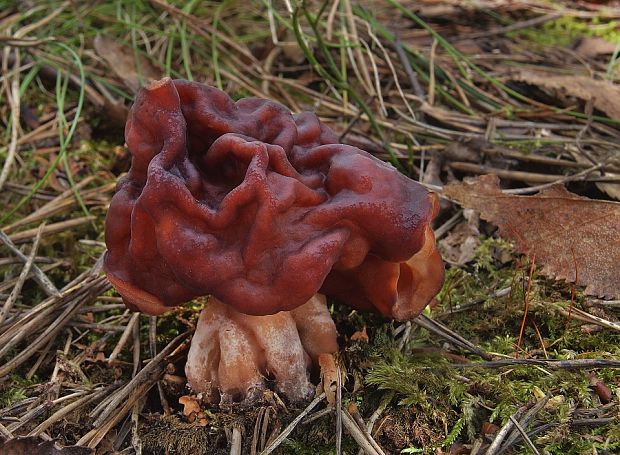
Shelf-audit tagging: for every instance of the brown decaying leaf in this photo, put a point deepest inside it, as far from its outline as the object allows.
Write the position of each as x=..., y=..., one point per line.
x=121, y=59
x=329, y=375
x=574, y=238
x=594, y=46
x=605, y=94
x=34, y=445
x=190, y=405
x=360, y=335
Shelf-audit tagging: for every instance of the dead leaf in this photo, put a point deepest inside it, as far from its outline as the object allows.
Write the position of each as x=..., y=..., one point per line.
x=34, y=445
x=594, y=46
x=122, y=60
x=329, y=376
x=489, y=428
x=605, y=94
x=600, y=388
x=190, y=405
x=574, y=238
x=460, y=245
x=360, y=335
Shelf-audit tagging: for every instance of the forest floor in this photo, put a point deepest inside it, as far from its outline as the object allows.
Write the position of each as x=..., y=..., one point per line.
x=509, y=360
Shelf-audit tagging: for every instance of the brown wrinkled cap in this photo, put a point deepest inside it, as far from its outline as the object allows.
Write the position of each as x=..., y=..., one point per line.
x=261, y=209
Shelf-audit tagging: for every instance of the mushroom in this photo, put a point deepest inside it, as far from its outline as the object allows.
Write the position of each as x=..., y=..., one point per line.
x=264, y=211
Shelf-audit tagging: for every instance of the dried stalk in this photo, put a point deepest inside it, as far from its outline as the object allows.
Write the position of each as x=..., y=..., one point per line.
x=15, y=293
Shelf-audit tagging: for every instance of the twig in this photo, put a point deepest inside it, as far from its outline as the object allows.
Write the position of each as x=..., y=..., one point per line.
x=354, y=413
x=403, y=340
x=411, y=75
x=550, y=364
x=153, y=350
x=449, y=224
x=357, y=434
x=53, y=228
x=438, y=328
x=8, y=304
x=82, y=401
x=526, y=438
x=40, y=277
x=525, y=421
x=235, y=444
x=152, y=369
x=502, y=433
x=338, y=411
x=4, y=432
x=510, y=28
x=124, y=337
x=520, y=175
x=289, y=429
x=14, y=101
x=82, y=295
x=317, y=415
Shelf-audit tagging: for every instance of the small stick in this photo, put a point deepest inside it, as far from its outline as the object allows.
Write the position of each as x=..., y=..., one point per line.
x=37, y=364
x=53, y=228
x=501, y=434
x=339, y=412
x=14, y=101
x=289, y=429
x=136, y=349
x=526, y=438
x=8, y=304
x=235, y=445
x=153, y=349
x=95, y=287
x=509, y=28
x=354, y=413
x=259, y=418
x=94, y=437
x=67, y=409
x=443, y=331
x=357, y=434
x=6, y=434
x=40, y=277
x=576, y=364
x=525, y=421
x=154, y=367
x=411, y=75
x=405, y=337
x=317, y=415
x=124, y=337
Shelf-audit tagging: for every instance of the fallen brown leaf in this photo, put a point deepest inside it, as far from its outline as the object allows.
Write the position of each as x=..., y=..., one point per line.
x=594, y=46
x=190, y=405
x=121, y=59
x=605, y=95
x=34, y=445
x=459, y=246
x=329, y=376
x=360, y=335
x=600, y=388
x=574, y=238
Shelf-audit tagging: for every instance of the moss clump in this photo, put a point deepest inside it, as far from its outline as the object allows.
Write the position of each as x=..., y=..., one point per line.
x=564, y=30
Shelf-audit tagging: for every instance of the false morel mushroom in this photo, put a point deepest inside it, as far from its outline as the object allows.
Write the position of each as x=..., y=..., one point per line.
x=262, y=210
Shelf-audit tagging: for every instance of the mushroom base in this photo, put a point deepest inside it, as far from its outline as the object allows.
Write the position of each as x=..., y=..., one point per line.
x=234, y=357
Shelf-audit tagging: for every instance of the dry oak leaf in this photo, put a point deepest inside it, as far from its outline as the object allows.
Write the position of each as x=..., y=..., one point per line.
x=574, y=238
x=605, y=95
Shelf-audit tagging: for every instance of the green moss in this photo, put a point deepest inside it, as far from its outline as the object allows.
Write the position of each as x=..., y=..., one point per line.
x=564, y=30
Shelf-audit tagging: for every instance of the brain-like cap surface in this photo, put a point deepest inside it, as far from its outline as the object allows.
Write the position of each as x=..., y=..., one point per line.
x=262, y=209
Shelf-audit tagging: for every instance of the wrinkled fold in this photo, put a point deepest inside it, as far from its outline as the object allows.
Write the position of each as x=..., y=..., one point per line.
x=261, y=209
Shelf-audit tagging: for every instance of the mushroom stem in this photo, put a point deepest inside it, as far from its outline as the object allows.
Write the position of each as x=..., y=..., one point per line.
x=234, y=355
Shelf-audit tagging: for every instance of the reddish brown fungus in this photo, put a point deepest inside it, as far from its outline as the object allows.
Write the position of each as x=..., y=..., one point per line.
x=262, y=209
